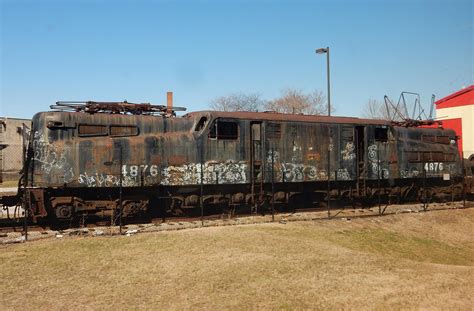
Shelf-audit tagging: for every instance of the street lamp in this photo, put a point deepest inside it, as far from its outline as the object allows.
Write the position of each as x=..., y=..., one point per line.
x=326, y=51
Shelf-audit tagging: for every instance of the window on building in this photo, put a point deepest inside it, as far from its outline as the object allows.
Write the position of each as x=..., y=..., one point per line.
x=92, y=130
x=224, y=130
x=123, y=130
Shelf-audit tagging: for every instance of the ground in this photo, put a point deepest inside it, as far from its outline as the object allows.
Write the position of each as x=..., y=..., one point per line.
x=415, y=260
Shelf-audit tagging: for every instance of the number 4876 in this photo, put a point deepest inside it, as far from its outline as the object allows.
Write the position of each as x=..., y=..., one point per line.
x=433, y=166
x=143, y=170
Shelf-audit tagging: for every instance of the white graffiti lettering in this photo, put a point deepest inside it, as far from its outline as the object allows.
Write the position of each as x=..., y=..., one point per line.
x=51, y=159
x=348, y=153
x=211, y=173
x=375, y=163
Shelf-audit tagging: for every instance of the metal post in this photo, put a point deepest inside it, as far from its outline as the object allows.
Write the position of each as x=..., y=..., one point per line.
x=25, y=217
x=201, y=197
x=287, y=190
x=326, y=51
x=378, y=176
x=120, y=190
x=273, y=185
x=329, y=82
x=25, y=183
x=329, y=173
x=452, y=190
x=424, y=187
x=464, y=185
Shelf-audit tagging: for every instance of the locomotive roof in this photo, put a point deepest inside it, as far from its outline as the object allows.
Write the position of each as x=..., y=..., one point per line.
x=275, y=116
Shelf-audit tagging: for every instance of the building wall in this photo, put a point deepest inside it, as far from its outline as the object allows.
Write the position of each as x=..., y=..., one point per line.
x=466, y=113
x=464, y=97
x=456, y=111
x=11, y=157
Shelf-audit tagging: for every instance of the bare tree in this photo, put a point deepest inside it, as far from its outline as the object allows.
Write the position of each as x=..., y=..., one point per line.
x=375, y=109
x=372, y=110
x=238, y=102
x=295, y=101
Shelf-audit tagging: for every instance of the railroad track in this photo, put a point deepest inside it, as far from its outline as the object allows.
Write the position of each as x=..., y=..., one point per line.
x=176, y=223
x=8, y=229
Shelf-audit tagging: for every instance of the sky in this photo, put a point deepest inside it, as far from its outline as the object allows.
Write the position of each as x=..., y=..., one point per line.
x=200, y=50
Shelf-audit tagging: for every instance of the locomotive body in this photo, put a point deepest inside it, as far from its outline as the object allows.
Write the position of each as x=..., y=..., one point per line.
x=80, y=164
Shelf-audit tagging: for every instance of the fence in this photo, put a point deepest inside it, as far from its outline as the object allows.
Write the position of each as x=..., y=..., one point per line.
x=11, y=150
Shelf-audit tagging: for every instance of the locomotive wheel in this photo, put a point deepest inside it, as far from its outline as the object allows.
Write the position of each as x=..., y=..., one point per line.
x=64, y=212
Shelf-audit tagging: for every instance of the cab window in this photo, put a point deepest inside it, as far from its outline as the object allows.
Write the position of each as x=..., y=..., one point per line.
x=224, y=130
x=92, y=130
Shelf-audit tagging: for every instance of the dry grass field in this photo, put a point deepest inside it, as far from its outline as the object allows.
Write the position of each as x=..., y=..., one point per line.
x=9, y=183
x=418, y=260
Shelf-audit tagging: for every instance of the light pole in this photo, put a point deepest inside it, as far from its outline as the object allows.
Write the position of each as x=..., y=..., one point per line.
x=326, y=51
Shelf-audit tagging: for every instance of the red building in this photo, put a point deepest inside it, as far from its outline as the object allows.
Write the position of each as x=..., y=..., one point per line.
x=456, y=111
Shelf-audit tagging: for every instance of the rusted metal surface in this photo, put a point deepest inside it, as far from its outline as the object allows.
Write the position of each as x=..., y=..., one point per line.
x=226, y=161
x=169, y=101
x=119, y=107
x=284, y=117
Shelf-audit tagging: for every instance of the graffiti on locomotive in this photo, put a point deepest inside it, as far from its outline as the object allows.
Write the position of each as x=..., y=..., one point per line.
x=50, y=158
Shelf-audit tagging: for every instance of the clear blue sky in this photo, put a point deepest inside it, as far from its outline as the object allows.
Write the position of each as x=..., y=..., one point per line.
x=138, y=50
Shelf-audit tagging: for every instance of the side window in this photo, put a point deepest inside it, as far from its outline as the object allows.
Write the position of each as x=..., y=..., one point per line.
x=52, y=125
x=347, y=134
x=224, y=130
x=201, y=124
x=381, y=134
x=437, y=156
x=92, y=130
x=426, y=156
x=428, y=138
x=123, y=130
x=273, y=130
x=412, y=156
x=443, y=140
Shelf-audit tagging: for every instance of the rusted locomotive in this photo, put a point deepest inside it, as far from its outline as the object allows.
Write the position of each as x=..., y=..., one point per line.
x=103, y=158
